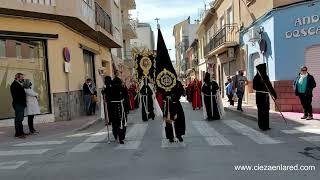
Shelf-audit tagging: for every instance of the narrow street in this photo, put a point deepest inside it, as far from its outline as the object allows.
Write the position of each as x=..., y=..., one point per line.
x=210, y=150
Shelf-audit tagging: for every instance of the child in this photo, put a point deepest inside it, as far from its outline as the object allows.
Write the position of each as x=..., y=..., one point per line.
x=229, y=92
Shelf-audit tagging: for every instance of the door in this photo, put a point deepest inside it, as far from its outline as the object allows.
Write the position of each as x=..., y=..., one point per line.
x=89, y=68
x=255, y=61
x=312, y=57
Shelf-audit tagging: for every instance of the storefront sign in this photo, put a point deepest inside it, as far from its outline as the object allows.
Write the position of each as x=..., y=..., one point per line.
x=302, y=31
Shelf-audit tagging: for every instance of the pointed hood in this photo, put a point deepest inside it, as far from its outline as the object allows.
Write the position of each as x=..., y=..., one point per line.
x=262, y=68
x=166, y=75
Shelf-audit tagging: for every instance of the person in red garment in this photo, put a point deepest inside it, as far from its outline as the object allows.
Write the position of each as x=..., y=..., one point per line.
x=132, y=94
x=196, y=94
x=159, y=97
x=188, y=92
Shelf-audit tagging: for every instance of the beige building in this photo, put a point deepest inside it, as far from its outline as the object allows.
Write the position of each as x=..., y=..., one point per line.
x=219, y=35
x=36, y=39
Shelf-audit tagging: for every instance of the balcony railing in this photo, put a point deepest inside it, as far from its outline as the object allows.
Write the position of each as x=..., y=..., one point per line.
x=227, y=34
x=103, y=19
x=41, y=2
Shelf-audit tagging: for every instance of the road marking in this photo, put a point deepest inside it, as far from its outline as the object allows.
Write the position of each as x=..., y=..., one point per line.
x=311, y=138
x=23, y=152
x=254, y=135
x=213, y=137
x=39, y=143
x=166, y=144
x=293, y=131
x=11, y=165
x=91, y=142
x=134, y=137
x=79, y=135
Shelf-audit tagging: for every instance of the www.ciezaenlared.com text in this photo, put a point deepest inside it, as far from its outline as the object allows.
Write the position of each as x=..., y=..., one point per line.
x=280, y=167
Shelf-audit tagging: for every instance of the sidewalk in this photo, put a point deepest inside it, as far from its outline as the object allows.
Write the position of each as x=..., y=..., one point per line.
x=293, y=118
x=50, y=128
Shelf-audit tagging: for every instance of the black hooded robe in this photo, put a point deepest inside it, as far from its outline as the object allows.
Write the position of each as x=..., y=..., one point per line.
x=146, y=100
x=263, y=87
x=119, y=100
x=207, y=89
x=176, y=113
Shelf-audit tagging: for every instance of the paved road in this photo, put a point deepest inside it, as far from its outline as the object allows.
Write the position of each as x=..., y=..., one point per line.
x=211, y=151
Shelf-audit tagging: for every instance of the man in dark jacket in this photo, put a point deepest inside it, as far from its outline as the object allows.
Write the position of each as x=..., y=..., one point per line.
x=87, y=93
x=19, y=103
x=304, y=86
x=263, y=87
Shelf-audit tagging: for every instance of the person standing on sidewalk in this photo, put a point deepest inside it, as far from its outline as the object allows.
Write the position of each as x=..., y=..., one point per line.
x=263, y=87
x=19, y=103
x=32, y=105
x=87, y=93
x=304, y=86
x=239, y=85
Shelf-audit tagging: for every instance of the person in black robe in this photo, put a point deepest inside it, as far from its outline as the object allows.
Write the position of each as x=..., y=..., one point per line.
x=106, y=94
x=263, y=87
x=209, y=90
x=174, y=115
x=147, y=101
x=119, y=109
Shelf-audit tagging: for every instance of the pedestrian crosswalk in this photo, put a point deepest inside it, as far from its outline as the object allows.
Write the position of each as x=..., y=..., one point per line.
x=210, y=134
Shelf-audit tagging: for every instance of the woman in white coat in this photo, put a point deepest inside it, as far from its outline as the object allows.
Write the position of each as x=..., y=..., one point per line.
x=32, y=105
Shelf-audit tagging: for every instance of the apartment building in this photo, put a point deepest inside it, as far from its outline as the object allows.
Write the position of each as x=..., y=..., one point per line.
x=57, y=44
x=145, y=39
x=184, y=33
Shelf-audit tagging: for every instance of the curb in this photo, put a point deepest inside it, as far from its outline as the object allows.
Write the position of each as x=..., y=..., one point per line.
x=89, y=124
x=242, y=114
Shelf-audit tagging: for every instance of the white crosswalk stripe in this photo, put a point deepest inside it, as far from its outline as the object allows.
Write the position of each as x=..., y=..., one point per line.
x=254, y=135
x=11, y=165
x=166, y=144
x=23, y=152
x=79, y=135
x=91, y=142
x=300, y=130
x=39, y=143
x=311, y=138
x=134, y=137
x=213, y=137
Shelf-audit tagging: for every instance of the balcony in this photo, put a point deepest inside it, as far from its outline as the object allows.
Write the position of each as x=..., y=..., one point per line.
x=226, y=37
x=129, y=29
x=87, y=18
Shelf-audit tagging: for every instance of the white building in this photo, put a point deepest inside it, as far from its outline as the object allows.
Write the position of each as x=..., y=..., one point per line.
x=145, y=37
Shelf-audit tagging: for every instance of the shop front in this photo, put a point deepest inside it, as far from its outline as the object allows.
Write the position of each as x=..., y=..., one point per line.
x=291, y=39
x=37, y=48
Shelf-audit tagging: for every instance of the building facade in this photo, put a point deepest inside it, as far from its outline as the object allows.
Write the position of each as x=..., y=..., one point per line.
x=291, y=32
x=145, y=39
x=57, y=45
x=185, y=34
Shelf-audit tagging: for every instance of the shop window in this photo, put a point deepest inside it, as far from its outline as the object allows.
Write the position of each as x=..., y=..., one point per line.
x=2, y=48
x=18, y=51
x=36, y=72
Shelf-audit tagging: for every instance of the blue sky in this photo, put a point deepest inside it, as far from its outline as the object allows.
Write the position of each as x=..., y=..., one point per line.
x=170, y=13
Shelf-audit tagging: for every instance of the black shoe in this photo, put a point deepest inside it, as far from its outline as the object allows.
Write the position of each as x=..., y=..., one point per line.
x=304, y=117
x=121, y=142
x=20, y=136
x=171, y=140
x=180, y=139
x=309, y=118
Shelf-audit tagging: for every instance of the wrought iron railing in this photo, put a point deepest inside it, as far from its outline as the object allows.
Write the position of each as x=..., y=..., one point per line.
x=103, y=19
x=226, y=34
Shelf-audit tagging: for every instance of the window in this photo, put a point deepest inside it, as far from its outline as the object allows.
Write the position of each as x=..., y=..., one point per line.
x=230, y=16
x=36, y=72
x=2, y=48
x=18, y=51
x=31, y=52
x=222, y=23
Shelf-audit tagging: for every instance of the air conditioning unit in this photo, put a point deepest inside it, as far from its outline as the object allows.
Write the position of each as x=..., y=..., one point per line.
x=254, y=35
